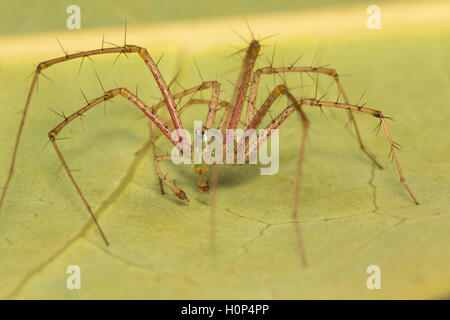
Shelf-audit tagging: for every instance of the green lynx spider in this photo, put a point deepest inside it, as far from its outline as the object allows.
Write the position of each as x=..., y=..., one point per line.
x=248, y=80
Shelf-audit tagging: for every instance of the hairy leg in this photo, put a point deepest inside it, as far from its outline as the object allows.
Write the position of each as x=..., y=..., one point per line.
x=375, y=113
x=277, y=121
x=169, y=101
x=107, y=96
x=327, y=71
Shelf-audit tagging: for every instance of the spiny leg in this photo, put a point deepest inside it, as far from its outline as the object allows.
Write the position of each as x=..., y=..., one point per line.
x=276, y=122
x=375, y=113
x=212, y=105
x=231, y=118
x=242, y=84
x=107, y=96
x=203, y=181
x=399, y=169
x=267, y=104
x=222, y=104
x=327, y=71
x=170, y=104
x=152, y=142
x=349, y=107
x=180, y=194
x=72, y=179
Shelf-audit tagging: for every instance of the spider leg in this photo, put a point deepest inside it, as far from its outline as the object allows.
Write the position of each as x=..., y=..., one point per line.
x=273, y=96
x=180, y=194
x=162, y=178
x=372, y=112
x=222, y=104
x=155, y=162
x=169, y=102
x=276, y=122
x=107, y=96
x=349, y=107
x=327, y=71
x=212, y=104
x=203, y=182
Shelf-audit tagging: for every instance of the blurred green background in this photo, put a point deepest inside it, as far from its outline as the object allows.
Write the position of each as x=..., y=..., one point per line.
x=351, y=214
x=24, y=16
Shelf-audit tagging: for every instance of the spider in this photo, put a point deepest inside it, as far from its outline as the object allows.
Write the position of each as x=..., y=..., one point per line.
x=246, y=90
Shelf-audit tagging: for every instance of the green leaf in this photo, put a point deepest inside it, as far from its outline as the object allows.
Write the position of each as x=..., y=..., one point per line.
x=352, y=215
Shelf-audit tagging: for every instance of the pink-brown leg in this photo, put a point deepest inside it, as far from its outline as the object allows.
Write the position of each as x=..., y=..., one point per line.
x=107, y=96
x=256, y=121
x=169, y=101
x=375, y=113
x=327, y=71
